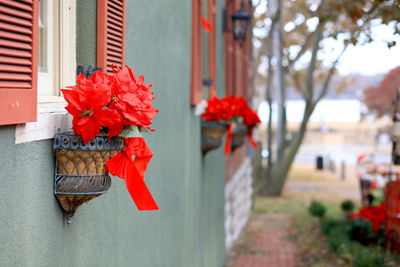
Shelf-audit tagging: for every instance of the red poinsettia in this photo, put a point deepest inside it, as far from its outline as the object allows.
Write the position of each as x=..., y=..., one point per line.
x=216, y=110
x=237, y=105
x=228, y=108
x=109, y=101
x=86, y=102
x=132, y=98
x=375, y=214
x=250, y=118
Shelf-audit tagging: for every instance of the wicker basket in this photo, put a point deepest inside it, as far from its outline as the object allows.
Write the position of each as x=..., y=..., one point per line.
x=238, y=135
x=80, y=173
x=212, y=133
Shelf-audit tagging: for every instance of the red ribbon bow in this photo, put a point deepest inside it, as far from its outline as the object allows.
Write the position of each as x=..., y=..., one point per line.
x=228, y=140
x=133, y=171
x=250, y=136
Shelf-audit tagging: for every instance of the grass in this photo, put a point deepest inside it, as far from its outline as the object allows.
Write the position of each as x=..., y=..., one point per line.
x=308, y=173
x=296, y=203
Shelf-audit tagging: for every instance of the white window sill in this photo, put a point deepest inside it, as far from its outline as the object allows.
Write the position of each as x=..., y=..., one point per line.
x=51, y=116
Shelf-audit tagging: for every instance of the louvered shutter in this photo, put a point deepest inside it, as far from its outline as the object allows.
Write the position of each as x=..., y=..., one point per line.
x=229, y=51
x=212, y=11
x=18, y=61
x=197, y=53
x=111, y=17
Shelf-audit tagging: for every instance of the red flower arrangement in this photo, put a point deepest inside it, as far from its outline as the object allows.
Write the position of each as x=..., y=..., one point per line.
x=231, y=109
x=107, y=103
x=375, y=214
x=116, y=104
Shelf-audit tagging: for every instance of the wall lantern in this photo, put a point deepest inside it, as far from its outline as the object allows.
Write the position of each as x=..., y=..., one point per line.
x=240, y=22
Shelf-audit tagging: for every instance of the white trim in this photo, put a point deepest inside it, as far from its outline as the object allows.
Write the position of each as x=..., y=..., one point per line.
x=45, y=127
x=51, y=107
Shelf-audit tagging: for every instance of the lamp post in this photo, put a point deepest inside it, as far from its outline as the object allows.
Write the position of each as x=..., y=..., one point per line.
x=240, y=22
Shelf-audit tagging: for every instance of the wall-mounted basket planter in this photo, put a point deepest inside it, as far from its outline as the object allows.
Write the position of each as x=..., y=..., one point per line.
x=212, y=133
x=238, y=135
x=80, y=171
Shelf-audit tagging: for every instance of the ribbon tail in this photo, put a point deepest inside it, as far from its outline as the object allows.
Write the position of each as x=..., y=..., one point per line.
x=228, y=140
x=123, y=166
x=250, y=136
x=138, y=190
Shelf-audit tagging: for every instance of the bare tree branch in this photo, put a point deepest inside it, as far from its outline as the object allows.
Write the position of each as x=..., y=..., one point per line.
x=329, y=76
x=303, y=49
x=311, y=67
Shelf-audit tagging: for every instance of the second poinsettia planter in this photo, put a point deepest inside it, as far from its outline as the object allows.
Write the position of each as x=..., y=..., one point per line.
x=80, y=172
x=239, y=133
x=212, y=133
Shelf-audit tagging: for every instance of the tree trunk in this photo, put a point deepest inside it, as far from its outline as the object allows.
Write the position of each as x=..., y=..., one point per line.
x=281, y=168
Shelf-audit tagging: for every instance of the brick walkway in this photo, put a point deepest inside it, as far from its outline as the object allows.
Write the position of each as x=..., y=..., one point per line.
x=265, y=243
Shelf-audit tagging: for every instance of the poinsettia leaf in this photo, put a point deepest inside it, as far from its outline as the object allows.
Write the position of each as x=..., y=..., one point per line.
x=238, y=120
x=130, y=131
x=144, y=130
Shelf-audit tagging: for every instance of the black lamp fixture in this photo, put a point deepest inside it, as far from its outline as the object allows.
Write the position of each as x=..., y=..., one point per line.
x=240, y=22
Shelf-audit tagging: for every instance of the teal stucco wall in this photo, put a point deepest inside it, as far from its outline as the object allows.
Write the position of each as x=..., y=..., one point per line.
x=188, y=230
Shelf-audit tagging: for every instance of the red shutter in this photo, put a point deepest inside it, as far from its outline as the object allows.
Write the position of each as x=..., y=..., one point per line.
x=111, y=18
x=18, y=61
x=229, y=49
x=197, y=53
x=211, y=12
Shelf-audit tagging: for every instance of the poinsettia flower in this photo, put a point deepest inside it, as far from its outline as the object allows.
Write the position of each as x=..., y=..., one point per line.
x=215, y=110
x=236, y=105
x=87, y=103
x=250, y=117
x=132, y=98
x=375, y=214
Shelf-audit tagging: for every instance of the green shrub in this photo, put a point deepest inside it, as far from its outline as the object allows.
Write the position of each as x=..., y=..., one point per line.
x=367, y=257
x=339, y=237
x=317, y=209
x=327, y=224
x=347, y=205
x=361, y=230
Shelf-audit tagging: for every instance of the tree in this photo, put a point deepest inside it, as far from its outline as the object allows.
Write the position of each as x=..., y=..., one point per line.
x=379, y=98
x=296, y=54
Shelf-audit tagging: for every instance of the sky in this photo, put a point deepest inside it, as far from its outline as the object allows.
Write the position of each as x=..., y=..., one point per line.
x=369, y=59
x=372, y=58
x=349, y=111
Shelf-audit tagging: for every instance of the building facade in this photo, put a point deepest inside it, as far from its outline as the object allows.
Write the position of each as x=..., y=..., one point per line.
x=42, y=45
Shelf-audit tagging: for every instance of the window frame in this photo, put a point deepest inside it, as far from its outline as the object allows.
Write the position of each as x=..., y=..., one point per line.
x=51, y=114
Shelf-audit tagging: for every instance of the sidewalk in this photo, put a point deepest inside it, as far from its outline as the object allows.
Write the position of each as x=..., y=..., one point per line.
x=265, y=242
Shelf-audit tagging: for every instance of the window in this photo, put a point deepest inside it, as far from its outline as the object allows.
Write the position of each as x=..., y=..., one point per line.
x=56, y=69
x=57, y=65
x=46, y=48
